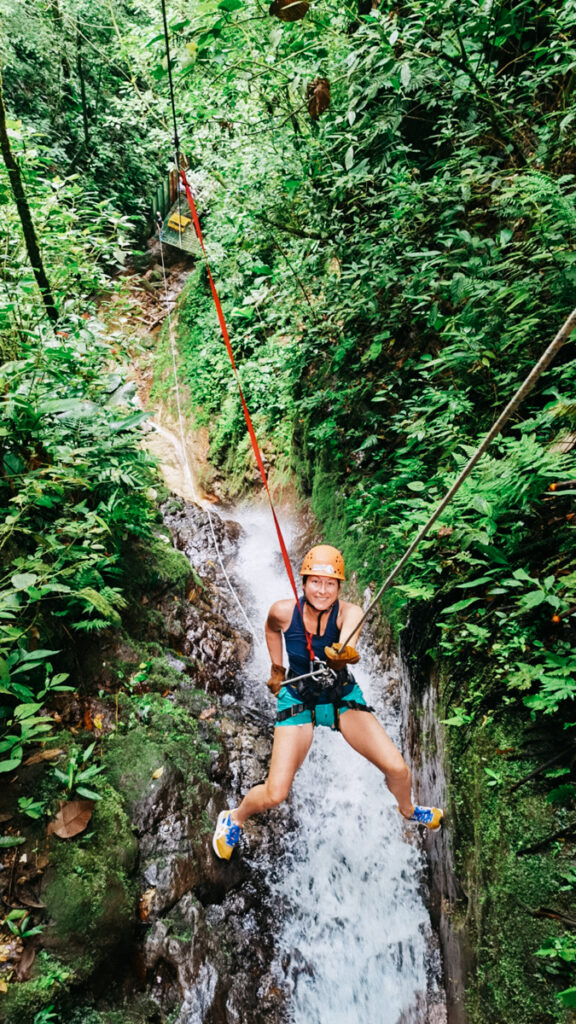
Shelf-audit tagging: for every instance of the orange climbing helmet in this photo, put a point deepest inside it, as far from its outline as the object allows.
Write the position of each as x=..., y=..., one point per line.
x=324, y=560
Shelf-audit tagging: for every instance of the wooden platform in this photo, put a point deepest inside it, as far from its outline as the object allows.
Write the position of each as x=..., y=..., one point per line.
x=178, y=229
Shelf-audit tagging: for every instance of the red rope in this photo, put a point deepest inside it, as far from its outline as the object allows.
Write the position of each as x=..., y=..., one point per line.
x=249, y=424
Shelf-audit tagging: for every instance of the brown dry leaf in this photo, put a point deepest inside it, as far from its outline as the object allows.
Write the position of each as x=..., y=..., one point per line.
x=10, y=949
x=318, y=95
x=27, y=959
x=71, y=819
x=207, y=713
x=5, y=817
x=146, y=903
x=44, y=755
x=29, y=902
x=158, y=773
x=289, y=10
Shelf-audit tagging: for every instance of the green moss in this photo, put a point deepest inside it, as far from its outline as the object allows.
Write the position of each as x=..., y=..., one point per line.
x=142, y=1010
x=131, y=760
x=49, y=977
x=89, y=895
x=161, y=566
x=170, y=734
x=147, y=670
x=493, y=824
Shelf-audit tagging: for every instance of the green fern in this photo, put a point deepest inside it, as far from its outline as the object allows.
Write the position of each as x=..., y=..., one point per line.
x=90, y=625
x=96, y=600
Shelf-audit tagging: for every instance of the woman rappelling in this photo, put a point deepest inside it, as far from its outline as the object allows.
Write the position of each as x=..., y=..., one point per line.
x=318, y=689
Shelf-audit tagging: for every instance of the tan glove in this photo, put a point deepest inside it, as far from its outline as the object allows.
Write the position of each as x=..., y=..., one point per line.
x=339, y=657
x=277, y=677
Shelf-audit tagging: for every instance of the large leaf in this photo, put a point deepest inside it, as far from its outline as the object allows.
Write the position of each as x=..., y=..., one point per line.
x=72, y=819
x=568, y=996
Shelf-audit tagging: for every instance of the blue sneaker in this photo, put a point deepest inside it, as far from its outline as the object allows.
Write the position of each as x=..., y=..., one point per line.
x=431, y=817
x=226, y=836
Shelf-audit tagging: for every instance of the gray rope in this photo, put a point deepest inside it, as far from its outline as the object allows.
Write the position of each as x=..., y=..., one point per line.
x=525, y=388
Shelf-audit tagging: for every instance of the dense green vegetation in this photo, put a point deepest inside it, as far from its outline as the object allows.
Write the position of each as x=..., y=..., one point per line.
x=391, y=267
x=82, y=547
x=391, y=271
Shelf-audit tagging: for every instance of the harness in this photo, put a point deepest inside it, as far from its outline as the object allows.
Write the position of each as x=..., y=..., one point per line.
x=317, y=684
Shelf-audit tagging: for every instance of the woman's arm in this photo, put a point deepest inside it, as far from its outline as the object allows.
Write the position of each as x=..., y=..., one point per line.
x=350, y=616
x=278, y=620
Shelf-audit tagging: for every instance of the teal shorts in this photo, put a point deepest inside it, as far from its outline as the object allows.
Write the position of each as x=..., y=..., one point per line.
x=324, y=712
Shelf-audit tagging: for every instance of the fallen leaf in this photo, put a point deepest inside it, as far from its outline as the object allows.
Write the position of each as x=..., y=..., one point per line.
x=5, y=817
x=35, y=904
x=44, y=755
x=27, y=959
x=207, y=713
x=98, y=721
x=158, y=773
x=10, y=949
x=3, y=986
x=146, y=903
x=72, y=818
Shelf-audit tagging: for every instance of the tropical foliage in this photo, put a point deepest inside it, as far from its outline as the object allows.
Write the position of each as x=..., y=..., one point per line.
x=391, y=267
x=391, y=271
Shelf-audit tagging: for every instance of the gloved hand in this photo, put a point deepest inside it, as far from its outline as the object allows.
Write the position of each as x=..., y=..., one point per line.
x=339, y=657
x=277, y=677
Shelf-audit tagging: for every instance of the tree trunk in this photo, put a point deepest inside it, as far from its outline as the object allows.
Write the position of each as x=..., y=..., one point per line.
x=80, y=69
x=30, y=239
x=56, y=14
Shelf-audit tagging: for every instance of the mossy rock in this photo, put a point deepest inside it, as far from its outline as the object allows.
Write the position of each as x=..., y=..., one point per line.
x=140, y=1010
x=90, y=900
x=49, y=980
x=171, y=735
x=89, y=894
x=506, y=884
x=161, y=566
x=131, y=761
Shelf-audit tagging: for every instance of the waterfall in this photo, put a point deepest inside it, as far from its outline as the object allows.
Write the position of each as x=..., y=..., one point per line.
x=355, y=942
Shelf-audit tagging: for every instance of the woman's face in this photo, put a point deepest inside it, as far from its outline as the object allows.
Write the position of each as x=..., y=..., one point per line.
x=321, y=592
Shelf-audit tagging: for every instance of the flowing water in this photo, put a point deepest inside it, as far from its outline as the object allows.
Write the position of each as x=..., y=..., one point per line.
x=348, y=878
x=354, y=933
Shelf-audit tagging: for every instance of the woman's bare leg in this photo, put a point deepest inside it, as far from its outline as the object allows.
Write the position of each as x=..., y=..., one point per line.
x=365, y=734
x=291, y=744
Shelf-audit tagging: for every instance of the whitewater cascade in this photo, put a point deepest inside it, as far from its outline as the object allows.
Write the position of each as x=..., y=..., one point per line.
x=354, y=934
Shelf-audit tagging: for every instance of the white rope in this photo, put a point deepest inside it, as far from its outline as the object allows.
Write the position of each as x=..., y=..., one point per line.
x=189, y=476
x=255, y=634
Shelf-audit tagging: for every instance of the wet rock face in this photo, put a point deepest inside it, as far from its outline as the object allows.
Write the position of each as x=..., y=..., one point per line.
x=209, y=941
x=209, y=628
x=428, y=754
x=193, y=530
x=210, y=944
